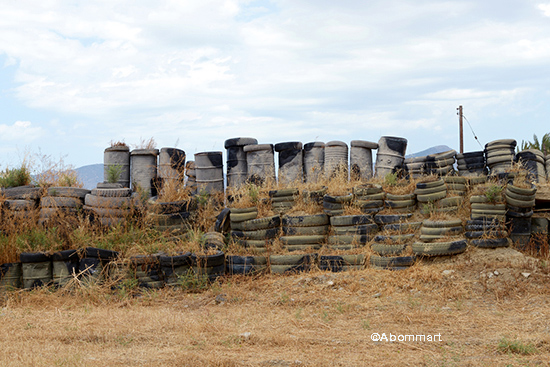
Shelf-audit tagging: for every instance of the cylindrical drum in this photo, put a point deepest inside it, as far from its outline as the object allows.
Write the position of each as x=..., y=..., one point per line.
x=260, y=163
x=209, y=169
x=191, y=174
x=336, y=157
x=143, y=170
x=10, y=276
x=390, y=155
x=314, y=161
x=291, y=162
x=360, y=159
x=533, y=161
x=116, y=162
x=171, y=163
x=237, y=171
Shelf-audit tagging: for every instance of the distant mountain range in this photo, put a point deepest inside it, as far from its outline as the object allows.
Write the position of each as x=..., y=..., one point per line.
x=91, y=174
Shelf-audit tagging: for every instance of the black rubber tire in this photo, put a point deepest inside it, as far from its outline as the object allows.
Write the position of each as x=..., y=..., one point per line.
x=334, y=212
x=439, y=248
x=405, y=226
x=169, y=207
x=516, y=196
x=155, y=219
x=261, y=223
x=302, y=240
x=403, y=197
x=351, y=220
x=60, y=202
x=99, y=253
x=20, y=204
x=258, y=235
x=491, y=242
x=338, y=199
x=71, y=192
x=349, y=240
x=490, y=213
x=283, y=193
x=281, y=200
x=306, y=231
x=394, y=204
x=487, y=206
x=393, y=261
x=118, y=192
x=430, y=184
x=450, y=201
x=369, y=204
x=391, y=218
x=66, y=255
x=21, y=193
x=208, y=261
x=431, y=190
x=519, y=203
x=487, y=233
x=305, y=220
x=368, y=189
x=521, y=190
x=223, y=223
x=362, y=229
x=241, y=217
x=292, y=259
x=431, y=197
x=176, y=261
x=522, y=214
x=441, y=231
x=385, y=249
x=34, y=257
x=109, y=202
x=332, y=206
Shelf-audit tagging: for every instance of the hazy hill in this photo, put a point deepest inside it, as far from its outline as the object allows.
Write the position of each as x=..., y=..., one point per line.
x=90, y=175
x=432, y=150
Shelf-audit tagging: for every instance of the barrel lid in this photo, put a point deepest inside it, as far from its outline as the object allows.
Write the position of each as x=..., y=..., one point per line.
x=257, y=147
x=216, y=153
x=118, y=148
x=171, y=150
x=240, y=141
x=314, y=144
x=154, y=152
x=288, y=145
x=336, y=143
x=364, y=144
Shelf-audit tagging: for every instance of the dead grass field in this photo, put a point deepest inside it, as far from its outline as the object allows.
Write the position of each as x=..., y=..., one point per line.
x=309, y=319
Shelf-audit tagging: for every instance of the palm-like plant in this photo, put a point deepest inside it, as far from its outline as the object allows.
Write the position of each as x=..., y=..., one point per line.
x=543, y=145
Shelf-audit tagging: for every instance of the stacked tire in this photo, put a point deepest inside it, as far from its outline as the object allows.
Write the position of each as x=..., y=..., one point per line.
x=36, y=269
x=519, y=210
x=430, y=191
x=500, y=155
x=532, y=160
x=95, y=264
x=369, y=198
x=147, y=270
x=351, y=231
x=483, y=208
x=245, y=265
x=110, y=206
x=441, y=164
x=10, y=276
x=176, y=268
x=485, y=233
x=416, y=167
x=174, y=217
x=471, y=164
x=256, y=234
x=61, y=202
x=391, y=248
x=21, y=204
x=283, y=200
x=304, y=232
x=334, y=205
x=289, y=264
x=339, y=263
x=64, y=267
x=440, y=238
x=404, y=203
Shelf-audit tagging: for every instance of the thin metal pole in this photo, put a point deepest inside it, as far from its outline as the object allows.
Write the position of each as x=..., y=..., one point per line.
x=460, y=126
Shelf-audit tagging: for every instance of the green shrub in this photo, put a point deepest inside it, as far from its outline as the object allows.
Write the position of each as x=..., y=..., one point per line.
x=15, y=177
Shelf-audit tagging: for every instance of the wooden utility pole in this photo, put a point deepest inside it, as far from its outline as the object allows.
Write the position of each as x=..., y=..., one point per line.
x=460, y=127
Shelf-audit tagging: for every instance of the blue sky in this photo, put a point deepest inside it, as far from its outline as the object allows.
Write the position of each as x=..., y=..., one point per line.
x=76, y=75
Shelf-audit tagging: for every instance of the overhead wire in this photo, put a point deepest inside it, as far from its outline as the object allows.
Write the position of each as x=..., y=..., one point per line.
x=473, y=133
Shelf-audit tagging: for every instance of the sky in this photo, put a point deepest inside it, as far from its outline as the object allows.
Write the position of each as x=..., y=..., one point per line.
x=76, y=75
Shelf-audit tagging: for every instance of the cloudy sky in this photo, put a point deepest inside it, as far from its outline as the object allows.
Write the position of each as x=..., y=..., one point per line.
x=77, y=74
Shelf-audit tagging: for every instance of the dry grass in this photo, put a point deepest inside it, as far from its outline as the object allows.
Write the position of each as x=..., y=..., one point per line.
x=310, y=319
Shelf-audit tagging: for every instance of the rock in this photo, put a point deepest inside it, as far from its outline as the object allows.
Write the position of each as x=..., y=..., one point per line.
x=526, y=275
x=377, y=295
x=245, y=335
x=448, y=272
x=220, y=298
x=496, y=272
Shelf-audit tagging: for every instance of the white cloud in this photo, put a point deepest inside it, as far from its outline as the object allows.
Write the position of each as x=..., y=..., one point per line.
x=20, y=132
x=545, y=9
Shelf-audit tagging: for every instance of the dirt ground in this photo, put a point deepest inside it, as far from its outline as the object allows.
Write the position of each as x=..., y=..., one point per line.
x=490, y=308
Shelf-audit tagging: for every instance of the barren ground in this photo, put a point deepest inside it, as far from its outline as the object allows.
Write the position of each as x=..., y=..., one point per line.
x=487, y=312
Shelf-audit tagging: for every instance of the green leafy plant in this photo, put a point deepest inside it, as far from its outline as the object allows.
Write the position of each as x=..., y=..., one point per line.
x=543, y=145
x=390, y=179
x=114, y=172
x=15, y=177
x=494, y=193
